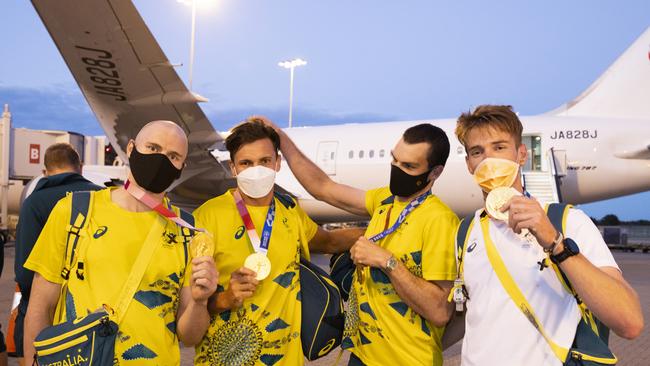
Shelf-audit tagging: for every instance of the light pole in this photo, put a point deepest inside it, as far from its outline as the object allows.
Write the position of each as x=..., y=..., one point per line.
x=193, y=4
x=291, y=64
x=192, y=41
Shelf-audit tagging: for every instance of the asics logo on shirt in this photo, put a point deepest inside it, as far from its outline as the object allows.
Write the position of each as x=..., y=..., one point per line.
x=471, y=247
x=240, y=232
x=100, y=232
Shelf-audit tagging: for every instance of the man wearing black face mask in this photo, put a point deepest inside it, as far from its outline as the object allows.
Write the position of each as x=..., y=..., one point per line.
x=405, y=263
x=170, y=302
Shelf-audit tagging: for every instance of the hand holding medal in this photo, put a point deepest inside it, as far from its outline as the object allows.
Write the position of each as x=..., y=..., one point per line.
x=202, y=244
x=496, y=199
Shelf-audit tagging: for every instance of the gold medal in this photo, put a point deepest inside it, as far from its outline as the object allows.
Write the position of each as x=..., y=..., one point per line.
x=496, y=199
x=260, y=264
x=202, y=244
x=360, y=275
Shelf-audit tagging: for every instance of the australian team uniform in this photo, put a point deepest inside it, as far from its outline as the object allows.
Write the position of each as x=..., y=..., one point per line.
x=112, y=239
x=265, y=330
x=380, y=329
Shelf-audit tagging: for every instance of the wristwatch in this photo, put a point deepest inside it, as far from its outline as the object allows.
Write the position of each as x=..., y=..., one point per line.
x=391, y=264
x=570, y=249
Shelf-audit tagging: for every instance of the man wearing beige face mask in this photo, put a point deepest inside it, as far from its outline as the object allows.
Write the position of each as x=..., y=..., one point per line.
x=513, y=256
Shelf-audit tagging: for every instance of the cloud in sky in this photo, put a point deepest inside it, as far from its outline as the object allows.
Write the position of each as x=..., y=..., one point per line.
x=63, y=107
x=224, y=119
x=57, y=107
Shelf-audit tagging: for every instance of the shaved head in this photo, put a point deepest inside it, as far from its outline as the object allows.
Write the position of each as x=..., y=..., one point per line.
x=160, y=126
x=164, y=137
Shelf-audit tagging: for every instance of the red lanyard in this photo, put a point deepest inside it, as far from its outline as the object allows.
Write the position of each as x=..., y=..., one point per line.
x=155, y=205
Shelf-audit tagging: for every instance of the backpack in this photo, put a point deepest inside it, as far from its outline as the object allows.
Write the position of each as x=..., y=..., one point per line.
x=322, y=323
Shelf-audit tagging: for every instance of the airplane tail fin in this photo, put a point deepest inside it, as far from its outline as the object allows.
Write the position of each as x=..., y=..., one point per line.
x=623, y=91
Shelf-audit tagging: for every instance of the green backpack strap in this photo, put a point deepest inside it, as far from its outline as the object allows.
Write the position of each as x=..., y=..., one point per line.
x=462, y=235
x=78, y=219
x=557, y=213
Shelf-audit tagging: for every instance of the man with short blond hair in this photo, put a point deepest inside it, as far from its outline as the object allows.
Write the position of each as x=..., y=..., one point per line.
x=523, y=237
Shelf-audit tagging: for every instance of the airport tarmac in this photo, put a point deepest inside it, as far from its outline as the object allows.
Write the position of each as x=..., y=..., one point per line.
x=635, y=266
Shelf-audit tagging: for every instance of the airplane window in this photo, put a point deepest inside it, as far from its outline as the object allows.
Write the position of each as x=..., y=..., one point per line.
x=351, y=154
x=381, y=153
x=371, y=153
x=360, y=154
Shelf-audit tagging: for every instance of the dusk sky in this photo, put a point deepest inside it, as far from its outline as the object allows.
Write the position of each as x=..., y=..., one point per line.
x=368, y=61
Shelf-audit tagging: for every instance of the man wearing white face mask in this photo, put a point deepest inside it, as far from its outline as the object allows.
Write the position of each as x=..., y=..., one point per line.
x=513, y=256
x=260, y=237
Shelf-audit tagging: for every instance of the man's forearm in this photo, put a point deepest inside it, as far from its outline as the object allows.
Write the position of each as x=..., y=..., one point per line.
x=306, y=171
x=318, y=183
x=334, y=241
x=345, y=238
x=612, y=300
x=40, y=311
x=219, y=302
x=35, y=321
x=193, y=323
x=227, y=300
x=425, y=298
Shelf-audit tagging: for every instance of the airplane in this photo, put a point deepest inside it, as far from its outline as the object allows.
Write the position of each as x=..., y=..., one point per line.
x=594, y=147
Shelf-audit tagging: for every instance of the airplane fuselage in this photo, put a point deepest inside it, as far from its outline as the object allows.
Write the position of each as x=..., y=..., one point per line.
x=592, y=158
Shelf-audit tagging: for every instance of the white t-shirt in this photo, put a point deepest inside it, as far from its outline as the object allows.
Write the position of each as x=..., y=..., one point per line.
x=496, y=331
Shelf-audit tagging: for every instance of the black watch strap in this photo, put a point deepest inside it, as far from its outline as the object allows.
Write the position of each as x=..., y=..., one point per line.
x=570, y=248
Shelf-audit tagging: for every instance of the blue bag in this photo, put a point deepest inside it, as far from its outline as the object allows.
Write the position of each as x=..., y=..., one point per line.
x=86, y=341
x=321, y=327
x=341, y=271
x=322, y=312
